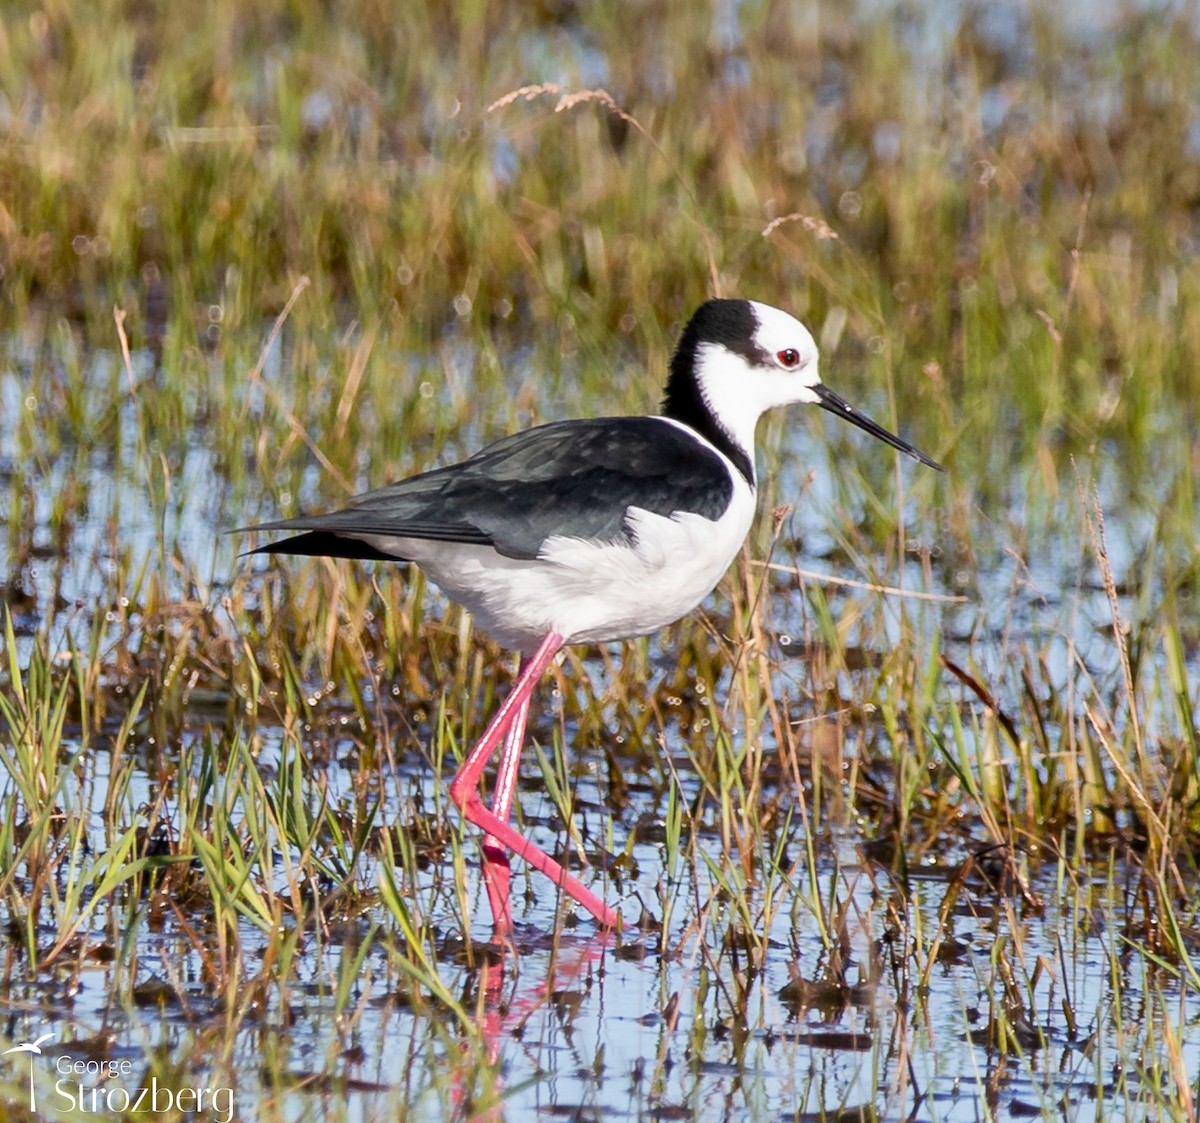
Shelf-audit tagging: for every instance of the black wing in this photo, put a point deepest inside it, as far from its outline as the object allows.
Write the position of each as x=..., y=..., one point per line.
x=574, y=478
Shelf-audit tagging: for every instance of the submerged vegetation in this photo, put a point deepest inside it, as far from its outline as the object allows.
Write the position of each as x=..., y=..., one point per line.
x=907, y=818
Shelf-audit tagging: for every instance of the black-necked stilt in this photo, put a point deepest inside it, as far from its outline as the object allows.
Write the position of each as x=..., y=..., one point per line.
x=588, y=531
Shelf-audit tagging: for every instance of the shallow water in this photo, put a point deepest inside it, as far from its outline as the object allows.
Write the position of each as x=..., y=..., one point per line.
x=589, y=1029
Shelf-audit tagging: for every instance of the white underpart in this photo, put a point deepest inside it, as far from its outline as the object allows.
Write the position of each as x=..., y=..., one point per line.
x=589, y=591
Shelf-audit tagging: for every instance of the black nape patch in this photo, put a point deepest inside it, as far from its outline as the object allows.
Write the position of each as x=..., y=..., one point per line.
x=732, y=324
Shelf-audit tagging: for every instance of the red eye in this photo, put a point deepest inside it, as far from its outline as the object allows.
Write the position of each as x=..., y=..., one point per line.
x=788, y=357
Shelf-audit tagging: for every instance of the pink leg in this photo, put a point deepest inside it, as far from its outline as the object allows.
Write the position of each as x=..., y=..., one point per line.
x=496, y=870
x=464, y=790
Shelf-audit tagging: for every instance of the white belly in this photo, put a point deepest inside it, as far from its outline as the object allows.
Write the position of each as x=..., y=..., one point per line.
x=587, y=591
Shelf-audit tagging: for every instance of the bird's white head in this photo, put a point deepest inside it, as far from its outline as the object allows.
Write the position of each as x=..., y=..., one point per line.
x=782, y=366
x=737, y=359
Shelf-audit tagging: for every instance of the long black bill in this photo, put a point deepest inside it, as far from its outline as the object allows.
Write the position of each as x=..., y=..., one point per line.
x=837, y=404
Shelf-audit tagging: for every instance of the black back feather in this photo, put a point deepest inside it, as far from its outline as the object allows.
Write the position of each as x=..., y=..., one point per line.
x=572, y=478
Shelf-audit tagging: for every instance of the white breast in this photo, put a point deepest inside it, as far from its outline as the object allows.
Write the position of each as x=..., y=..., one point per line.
x=584, y=590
